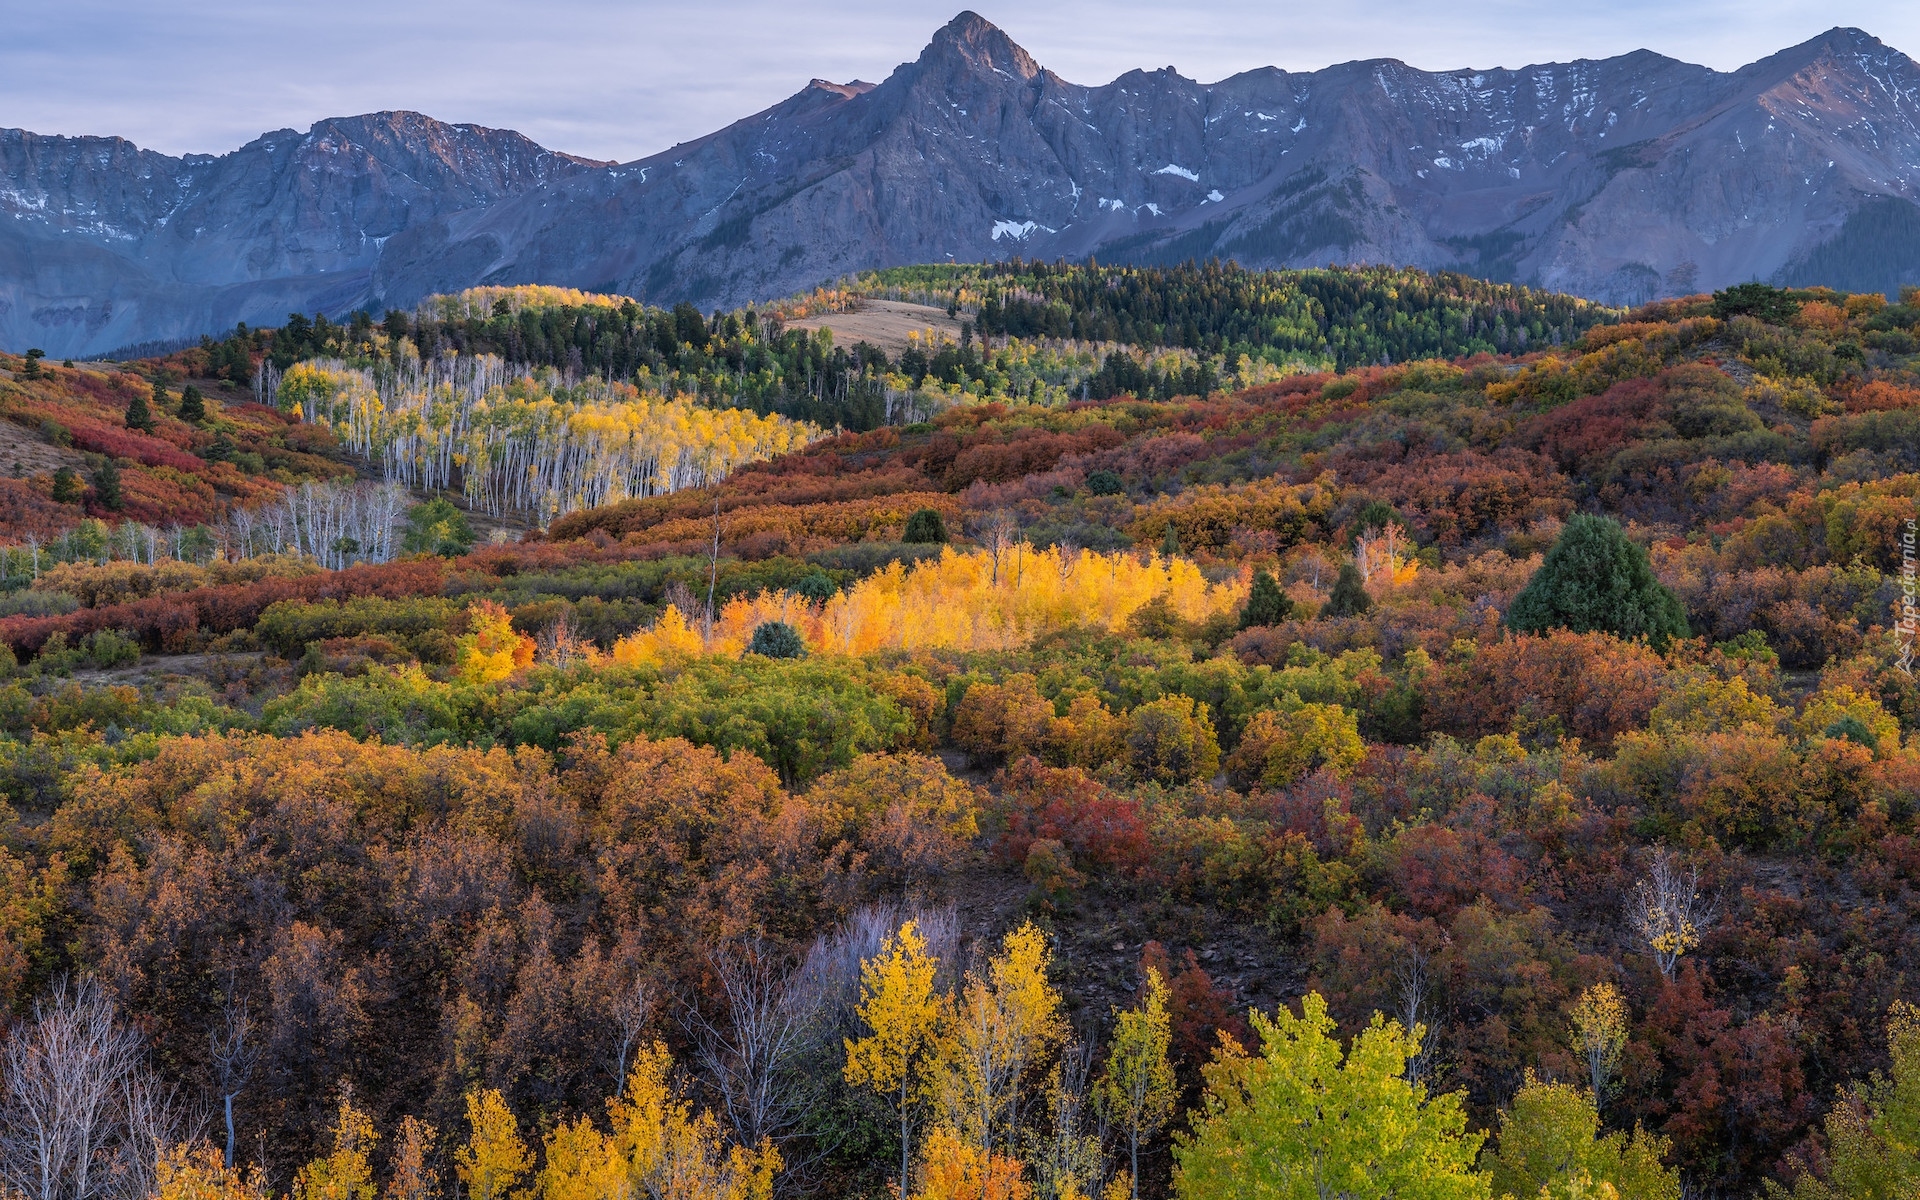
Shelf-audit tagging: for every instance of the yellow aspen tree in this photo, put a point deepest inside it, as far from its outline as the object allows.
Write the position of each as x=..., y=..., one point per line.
x=907, y=1019
x=192, y=1171
x=658, y=1148
x=1004, y=1024
x=494, y=1158
x=1137, y=1089
x=343, y=1174
x=1600, y=1034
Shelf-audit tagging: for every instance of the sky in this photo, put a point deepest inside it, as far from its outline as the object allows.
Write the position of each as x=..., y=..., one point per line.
x=621, y=79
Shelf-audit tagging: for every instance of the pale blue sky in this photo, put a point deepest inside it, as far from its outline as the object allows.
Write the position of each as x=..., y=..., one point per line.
x=625, y=78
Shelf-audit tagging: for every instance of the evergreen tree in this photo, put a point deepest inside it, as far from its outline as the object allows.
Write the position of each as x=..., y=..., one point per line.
x=777, y=639
x=925, y=527
x=1170, y=544
x=66, y=486
x=193, y=405
x=32, y=368
x=1266, y=603
x=1349, y=597
x=1594, y=579
x=139, y=415
x=106, y=486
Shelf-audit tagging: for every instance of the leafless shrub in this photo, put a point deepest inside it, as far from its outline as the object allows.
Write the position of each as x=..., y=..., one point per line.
x=81, y=1116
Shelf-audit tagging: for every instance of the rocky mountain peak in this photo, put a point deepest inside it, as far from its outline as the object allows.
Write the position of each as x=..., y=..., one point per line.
x=972, y=41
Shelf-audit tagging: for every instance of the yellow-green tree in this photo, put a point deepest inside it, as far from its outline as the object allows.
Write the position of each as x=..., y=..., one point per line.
x=1137, y=1090
x=1300, y=1121
x=1600, y=1035
x=907, y=1020
x=343, y=1174
x=494, y=1158
x=1873, y=1131
x=1550, y=1144
x=1004, y=1024
x=1279, y=748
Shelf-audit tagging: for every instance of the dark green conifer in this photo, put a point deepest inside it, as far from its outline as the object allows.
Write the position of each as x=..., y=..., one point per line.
x=106, y=486
x=776, y=639
x=1594, y=579
x=1349, y=597
x=1266, y=603
x=925, y=527
x=139, y=415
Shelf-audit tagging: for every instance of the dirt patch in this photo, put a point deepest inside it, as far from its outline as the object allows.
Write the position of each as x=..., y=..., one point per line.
x=23, y=452
x=885, y=324
x=219, y=669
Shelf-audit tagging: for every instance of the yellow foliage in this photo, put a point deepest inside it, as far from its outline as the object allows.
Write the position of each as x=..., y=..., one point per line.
x=955, y=1169
x=1278, y=748
x=493, y=651
x=961, y=601
x=197, y=1172
x=908, y=1023
x=343, y=1174
x=1003, y=1024
x=494, y=1158
x=670, y=640
x=658, y=1149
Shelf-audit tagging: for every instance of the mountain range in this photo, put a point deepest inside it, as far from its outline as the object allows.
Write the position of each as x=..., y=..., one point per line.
x=1620, y=179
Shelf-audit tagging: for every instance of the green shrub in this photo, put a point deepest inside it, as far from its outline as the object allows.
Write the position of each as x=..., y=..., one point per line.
x=437, y=527
x=924, y=528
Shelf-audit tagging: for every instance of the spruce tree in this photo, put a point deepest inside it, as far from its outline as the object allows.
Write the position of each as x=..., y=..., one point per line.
x=193, y=406
x=1266, y=603
x=1349, y=597
x=66, y=486
x=139, y=416
x=1170, y=544
x=1595, y=580
x=777, y=639
x=106, y=486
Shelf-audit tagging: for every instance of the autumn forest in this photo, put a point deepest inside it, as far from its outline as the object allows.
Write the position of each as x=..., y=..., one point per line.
x=1179, y=732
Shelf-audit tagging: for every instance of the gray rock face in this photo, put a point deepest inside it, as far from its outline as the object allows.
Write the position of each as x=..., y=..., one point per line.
x=1621, y=179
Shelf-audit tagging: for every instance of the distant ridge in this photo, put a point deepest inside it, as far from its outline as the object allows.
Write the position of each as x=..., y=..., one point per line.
x=1620, y=179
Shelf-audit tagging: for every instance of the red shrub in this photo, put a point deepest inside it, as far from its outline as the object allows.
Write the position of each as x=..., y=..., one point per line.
x=1097, y=825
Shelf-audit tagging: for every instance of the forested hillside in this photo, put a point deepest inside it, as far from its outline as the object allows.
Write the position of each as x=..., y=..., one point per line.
x=1466, y=774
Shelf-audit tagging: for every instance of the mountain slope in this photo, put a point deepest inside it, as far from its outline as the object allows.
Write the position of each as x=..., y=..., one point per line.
x=1619, y=179
x=106, y=244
